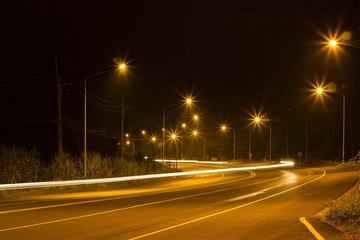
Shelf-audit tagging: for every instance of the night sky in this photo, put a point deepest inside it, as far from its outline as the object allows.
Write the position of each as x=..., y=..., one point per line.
x=234, y=57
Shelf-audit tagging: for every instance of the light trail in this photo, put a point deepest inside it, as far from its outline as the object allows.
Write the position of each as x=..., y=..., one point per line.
x=189, y=161
x=14, y=186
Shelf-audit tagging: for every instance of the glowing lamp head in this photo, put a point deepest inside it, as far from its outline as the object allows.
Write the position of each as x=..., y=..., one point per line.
x=319, y=90
x=122, y=66
x=332, y=43
x=257, y=119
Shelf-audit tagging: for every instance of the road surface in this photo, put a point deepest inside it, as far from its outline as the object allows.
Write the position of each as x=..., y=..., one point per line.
x=261, y=204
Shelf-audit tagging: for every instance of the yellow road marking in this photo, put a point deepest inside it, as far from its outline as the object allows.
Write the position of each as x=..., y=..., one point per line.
x=225, y=211
x=311, y=229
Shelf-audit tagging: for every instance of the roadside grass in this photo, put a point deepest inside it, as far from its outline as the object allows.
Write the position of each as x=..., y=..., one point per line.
x=344, y=213
x=20, y=165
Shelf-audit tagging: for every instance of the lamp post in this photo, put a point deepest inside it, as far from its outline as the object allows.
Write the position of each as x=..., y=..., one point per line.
x=224, y=128
x=320, y=90
x=153, y=141
x=258, y=120
x=333, y=43
x=204, y=149
x=175, y=138
x=250, y=154
x=120, y=67
x=234, y=145
x=183, y=125
x=188, y=101
x=196, y=134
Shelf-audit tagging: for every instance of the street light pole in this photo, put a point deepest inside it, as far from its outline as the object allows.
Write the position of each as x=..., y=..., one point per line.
x=270, y=141
x=122, y=66
x=333, y=44
x=258, y=120
x=204, y=150
x=250, y=154
x=85, y=120
x=306, y=138
x=343, y=130
x=122, y=129
x=164, y=131
x=187, y=101
x=234, y=145
x=163, y=138
x=268, y=120
x=320, y=90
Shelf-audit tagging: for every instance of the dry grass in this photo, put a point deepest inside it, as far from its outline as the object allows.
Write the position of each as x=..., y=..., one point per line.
x=344, y=213
x=19, y=165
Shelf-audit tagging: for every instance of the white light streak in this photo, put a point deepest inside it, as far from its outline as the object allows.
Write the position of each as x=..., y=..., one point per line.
x=132, y=178
x=189, y=161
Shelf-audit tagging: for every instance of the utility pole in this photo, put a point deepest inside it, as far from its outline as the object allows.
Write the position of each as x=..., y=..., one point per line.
x=59, y=117
x=204, y=150
x=250, y=154
x=122, y=128
x=234, y=145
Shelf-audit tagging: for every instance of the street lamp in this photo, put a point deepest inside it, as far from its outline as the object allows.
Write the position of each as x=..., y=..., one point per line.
x=188, y=101
x=195, y=134
x=174, y=138
x=120, y=67
x=224, y=128
x=153, y=140
x=320, y=90
x=183, y=125
x=333, y=43
x=259, y=120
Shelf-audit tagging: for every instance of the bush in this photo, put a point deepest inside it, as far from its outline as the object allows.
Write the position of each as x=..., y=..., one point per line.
x=18, y=164
x=345, y=213
x=65, y=168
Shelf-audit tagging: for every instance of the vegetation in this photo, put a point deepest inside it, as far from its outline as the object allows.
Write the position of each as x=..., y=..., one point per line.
x=18, y=164
x=344, y=213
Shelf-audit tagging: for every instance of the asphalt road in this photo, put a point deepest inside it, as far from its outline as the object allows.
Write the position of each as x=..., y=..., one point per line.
x=261, y=204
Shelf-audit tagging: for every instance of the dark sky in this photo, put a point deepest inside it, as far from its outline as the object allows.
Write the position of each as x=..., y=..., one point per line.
x=233, y=56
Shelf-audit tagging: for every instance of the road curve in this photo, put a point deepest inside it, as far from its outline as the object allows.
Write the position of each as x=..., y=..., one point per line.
x=260, y=204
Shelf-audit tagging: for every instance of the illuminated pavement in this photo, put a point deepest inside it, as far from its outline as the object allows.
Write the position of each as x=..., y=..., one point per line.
x=254, y=204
